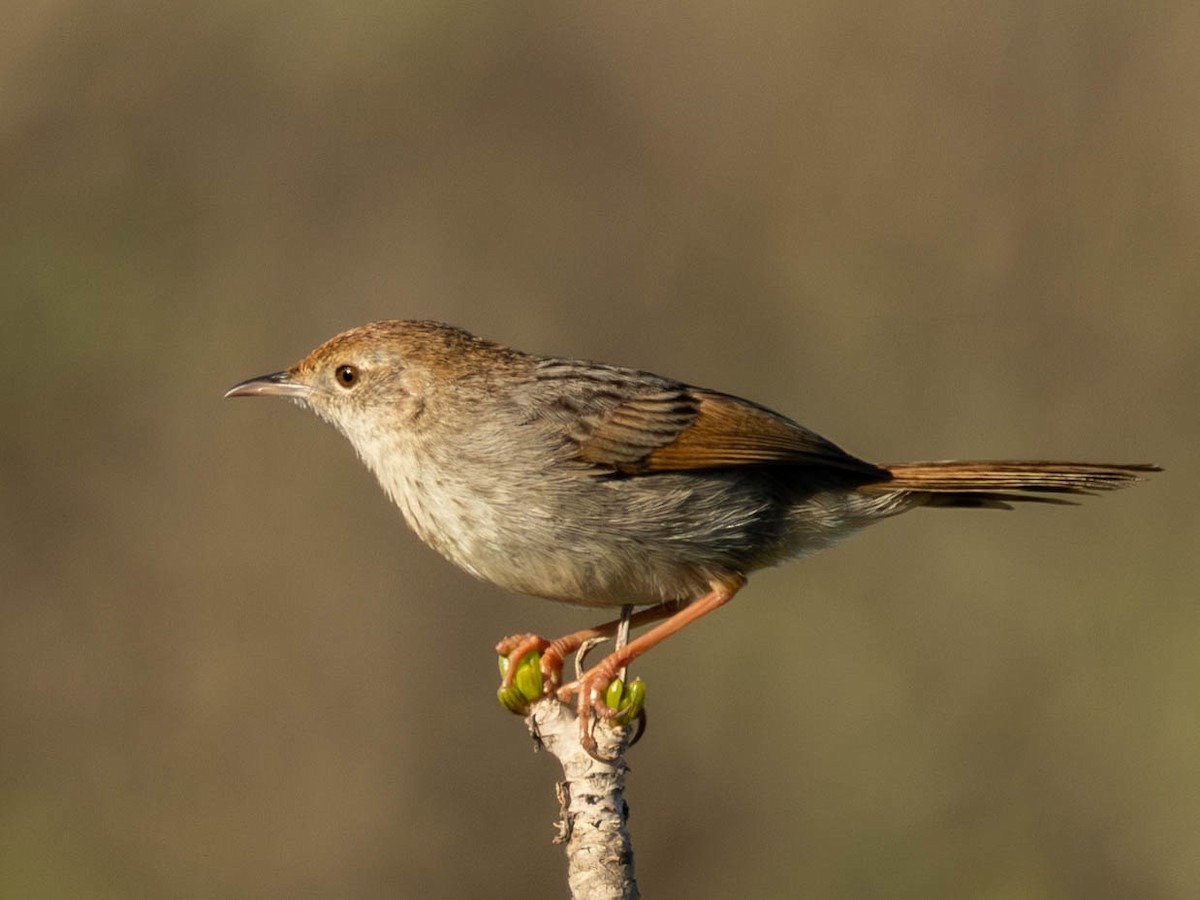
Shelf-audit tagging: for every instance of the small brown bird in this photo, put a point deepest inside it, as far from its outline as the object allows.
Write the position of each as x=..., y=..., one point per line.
x=606, y=486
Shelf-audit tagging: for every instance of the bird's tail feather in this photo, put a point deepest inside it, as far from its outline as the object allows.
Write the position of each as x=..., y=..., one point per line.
x=997, y=483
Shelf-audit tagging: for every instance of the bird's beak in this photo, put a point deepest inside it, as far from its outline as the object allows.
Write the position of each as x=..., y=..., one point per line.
x=280, y=384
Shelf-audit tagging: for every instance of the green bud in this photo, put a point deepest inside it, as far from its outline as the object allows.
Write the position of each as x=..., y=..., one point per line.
x=628, y=700
x=510, y=698
x=633, y=700
x=526, y=685
x=616, y=690
x=528, y=679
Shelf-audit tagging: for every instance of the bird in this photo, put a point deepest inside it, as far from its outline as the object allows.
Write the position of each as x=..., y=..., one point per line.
x=605, y=486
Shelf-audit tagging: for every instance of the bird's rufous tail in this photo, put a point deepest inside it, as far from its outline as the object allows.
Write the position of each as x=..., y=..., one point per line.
x=996, y=483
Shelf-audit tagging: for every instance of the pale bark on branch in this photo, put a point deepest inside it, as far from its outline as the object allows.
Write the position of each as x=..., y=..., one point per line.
x=594, y=813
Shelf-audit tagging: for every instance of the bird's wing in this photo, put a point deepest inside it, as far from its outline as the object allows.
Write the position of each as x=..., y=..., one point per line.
x=637, y=426
x=729, y=431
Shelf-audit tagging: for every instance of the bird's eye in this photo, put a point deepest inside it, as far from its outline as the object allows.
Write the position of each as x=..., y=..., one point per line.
x=347, y=376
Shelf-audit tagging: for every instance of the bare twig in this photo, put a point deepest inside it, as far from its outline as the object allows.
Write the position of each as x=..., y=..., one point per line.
x=594, y=814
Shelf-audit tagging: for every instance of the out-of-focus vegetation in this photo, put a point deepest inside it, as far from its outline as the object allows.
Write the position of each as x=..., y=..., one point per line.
x=228, y=670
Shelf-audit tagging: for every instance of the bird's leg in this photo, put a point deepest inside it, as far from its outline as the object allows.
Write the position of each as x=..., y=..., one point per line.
x=517, y=646
x=622, y=637
x=590, y=688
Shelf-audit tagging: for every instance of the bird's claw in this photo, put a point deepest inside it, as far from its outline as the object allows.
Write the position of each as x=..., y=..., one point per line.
x=514, y=652
x=531, y=668
x=602, y=696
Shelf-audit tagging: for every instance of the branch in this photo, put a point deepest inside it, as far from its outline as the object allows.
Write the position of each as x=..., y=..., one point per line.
x=594, y=814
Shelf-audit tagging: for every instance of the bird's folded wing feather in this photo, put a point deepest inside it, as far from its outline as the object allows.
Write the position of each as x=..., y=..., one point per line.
x=670, y=427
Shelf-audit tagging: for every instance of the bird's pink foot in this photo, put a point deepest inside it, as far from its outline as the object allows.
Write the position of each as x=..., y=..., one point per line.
x=516, y=647
x=596, y=700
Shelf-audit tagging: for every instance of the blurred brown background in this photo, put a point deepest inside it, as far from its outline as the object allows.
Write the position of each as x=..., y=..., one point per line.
x=227, y=670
